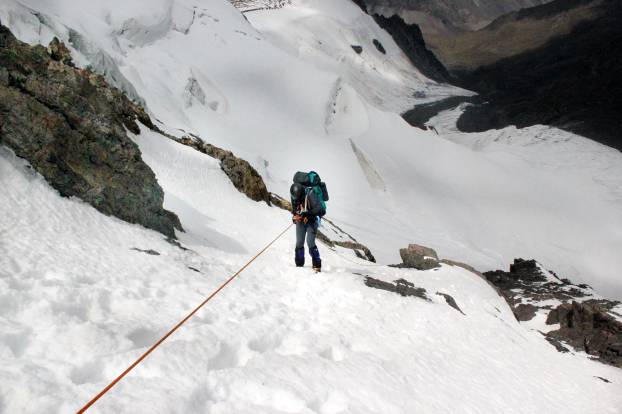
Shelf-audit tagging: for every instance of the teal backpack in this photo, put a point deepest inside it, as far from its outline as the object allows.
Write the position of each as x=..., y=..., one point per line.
x=313, y=182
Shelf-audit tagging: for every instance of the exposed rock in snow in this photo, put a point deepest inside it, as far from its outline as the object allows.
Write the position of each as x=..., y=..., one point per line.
x=70, y=125
x=205, y=93
x=379, y=46
x=419, y=257
x=588, y=328
x=451, y=301
x=401, y=287
x=579, y=319
x=192, y=92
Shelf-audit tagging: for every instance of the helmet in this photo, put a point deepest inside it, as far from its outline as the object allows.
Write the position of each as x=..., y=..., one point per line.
x=297, y=191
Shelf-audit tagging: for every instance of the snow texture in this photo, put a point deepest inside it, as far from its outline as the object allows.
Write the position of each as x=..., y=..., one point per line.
x=78, y=302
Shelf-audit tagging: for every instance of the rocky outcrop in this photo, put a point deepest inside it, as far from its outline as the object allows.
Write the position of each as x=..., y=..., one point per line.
x=451, y=301
x=588, y=328
x=71, y=126
x=586, y=323
x=527, y=284
x=401, y=287
x=419, y=257
x=242, y=175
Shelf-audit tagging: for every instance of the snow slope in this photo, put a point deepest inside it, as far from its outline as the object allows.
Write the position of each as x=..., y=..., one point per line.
x=287, y=79
x=286, y=91
x=79, y=303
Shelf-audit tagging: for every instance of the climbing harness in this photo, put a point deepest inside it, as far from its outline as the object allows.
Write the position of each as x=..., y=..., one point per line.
x=179, y=324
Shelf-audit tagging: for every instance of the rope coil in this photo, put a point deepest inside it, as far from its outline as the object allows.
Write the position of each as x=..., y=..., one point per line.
x=177, y=326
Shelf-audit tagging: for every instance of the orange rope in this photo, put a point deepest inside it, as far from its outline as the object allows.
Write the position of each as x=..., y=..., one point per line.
x=169, y=333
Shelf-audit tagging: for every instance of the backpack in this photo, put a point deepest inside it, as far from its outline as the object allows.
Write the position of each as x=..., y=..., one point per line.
x=313, y=182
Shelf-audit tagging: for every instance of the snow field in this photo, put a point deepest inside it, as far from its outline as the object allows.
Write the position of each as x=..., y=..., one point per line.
x=79, y=305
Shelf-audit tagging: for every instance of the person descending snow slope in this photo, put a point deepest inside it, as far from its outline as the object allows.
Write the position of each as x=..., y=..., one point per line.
x=308, y=196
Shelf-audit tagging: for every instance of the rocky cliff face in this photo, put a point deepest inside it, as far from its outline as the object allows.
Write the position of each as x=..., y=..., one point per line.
x=71, y=126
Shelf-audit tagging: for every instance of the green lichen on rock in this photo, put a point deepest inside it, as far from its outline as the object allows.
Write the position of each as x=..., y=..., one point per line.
x=71, y=126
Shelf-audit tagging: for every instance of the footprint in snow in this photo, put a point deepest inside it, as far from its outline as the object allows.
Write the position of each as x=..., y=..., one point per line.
x=265, y=343
x=333, y=353
x=228, y=356
x=142, y=337
x=88, y=373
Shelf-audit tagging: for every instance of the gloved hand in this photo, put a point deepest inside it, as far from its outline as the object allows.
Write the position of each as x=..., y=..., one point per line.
x=297, y=218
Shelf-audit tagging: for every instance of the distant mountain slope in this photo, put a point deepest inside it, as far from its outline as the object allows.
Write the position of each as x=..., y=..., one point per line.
x=511, y=34
x=572, y=81
x=445, y=16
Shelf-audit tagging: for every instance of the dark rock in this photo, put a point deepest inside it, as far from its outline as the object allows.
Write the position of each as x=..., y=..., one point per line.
x=360, y=250
x=148, y=251
x=557, y=344
x=553, y=317
x=419, y=257
x=589, y=328
x=280, y=202
x=194, y=269
x=522, y=273
x=357, y=49
x=451, y=301
x=70, y=125
x=379, y=46
x=409, y=38
x=243, y=176
x=605, y=380
x=4, y=77
x=525, y=312
x=400, y=286
x=59, y=52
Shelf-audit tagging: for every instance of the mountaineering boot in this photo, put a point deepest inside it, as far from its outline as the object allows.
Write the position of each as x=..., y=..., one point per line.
x=315, y=259
x=300, y=256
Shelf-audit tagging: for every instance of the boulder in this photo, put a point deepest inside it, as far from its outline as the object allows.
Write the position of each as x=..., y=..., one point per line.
x=419, y=257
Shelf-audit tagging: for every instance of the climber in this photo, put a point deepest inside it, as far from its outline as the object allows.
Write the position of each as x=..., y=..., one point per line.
x=308, y=196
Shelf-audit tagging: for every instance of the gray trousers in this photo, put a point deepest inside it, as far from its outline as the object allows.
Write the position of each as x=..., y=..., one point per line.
x=310, y=230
